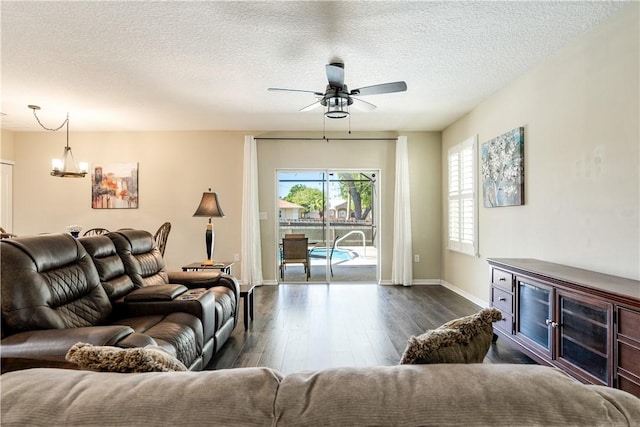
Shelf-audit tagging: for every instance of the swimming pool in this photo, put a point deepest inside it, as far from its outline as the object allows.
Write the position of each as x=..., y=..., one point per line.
x=339, y=254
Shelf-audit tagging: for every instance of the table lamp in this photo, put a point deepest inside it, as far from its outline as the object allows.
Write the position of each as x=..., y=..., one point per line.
x=209, y=207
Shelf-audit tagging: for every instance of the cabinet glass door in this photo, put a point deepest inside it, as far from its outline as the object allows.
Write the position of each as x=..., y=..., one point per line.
x=534, y=312
x=583, y=334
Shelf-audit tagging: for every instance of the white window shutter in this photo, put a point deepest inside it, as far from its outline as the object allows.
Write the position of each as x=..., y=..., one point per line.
x=463, y=217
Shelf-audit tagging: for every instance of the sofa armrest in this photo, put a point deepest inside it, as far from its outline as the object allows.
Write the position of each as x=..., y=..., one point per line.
x=231, y=283
x=197, y=302
x=205, y=279
x=156, y=293
x=48, y=347
x=195, y=279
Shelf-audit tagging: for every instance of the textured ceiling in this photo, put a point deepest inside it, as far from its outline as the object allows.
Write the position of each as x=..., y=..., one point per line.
x=140, y=65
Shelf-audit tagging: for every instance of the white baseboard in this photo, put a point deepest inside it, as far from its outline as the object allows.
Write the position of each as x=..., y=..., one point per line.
x=428, y=282
x=465, y=294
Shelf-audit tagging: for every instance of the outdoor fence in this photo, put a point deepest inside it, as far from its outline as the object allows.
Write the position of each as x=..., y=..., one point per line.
x=315, y=230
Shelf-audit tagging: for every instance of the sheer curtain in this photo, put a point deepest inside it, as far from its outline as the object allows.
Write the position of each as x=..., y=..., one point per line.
x=401, y=266
x=251, y=272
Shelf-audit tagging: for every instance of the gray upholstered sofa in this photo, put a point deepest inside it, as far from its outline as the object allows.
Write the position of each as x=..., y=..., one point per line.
x=107, y=290
x=406, y=395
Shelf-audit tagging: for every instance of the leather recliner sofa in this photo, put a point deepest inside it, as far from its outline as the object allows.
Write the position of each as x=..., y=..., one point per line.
x=145, y=265
x=53, y=295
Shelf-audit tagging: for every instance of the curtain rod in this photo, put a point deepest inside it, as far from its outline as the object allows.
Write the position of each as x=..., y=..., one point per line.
x=325, y=139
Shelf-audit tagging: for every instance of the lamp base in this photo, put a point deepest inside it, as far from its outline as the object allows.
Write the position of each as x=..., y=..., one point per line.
x=207, y=262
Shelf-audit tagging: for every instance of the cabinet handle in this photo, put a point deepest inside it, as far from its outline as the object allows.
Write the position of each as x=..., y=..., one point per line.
x=551, y=323
x=502, y=279
x=503, y=299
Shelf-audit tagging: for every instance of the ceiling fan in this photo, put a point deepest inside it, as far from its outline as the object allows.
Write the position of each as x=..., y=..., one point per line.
x=337, y=98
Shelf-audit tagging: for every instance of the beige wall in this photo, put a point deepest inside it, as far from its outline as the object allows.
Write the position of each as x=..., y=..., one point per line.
x=176, y=167
x=6, y=145
x=581, y=117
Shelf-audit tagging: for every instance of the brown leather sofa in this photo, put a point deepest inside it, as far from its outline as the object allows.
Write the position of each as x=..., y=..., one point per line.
x=55, y=293
x=145, y=266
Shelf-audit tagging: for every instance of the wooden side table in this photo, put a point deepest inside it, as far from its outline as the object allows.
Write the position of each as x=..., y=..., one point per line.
x=246, y=294
x=223, y=266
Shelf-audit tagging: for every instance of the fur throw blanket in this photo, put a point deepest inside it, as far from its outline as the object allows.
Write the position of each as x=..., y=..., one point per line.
x=115, y=359
x=464, y=340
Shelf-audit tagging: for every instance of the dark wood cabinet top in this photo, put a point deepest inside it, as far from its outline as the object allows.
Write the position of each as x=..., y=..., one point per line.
x=572, y=277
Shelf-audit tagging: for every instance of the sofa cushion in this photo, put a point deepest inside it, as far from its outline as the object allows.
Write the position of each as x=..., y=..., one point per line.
x=115, y=359
x=141, y=258
x=178, y=333
x=449, y=394
x=464, y=340
x=57, y=397
x=49, y=282
x=109, y=265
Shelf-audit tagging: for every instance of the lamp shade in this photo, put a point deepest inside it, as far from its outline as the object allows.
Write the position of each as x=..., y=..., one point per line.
x=209, y=206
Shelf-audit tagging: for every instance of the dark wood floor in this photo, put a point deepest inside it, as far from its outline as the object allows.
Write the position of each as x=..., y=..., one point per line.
x=315, y=326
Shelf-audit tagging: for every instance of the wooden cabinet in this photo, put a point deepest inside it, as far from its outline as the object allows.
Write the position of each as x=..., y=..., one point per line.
x=586, y=323
x=534, y=318
x=502, y=292
x=628, y=350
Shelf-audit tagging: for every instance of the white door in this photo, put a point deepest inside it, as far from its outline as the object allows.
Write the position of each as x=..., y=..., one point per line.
x=336, y=210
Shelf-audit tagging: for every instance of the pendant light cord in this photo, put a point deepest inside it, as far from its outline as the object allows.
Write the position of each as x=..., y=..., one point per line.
x=46, y=128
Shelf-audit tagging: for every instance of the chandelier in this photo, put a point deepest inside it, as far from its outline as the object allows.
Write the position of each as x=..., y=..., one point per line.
x=65, y=167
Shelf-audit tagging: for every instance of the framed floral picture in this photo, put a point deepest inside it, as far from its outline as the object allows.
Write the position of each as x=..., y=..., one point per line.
x=503, y=169
x=114, y=185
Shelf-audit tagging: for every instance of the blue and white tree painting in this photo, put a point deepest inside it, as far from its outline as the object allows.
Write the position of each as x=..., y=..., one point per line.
x=503, y=169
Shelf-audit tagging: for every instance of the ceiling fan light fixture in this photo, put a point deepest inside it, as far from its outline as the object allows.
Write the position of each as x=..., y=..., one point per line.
x=337, y=108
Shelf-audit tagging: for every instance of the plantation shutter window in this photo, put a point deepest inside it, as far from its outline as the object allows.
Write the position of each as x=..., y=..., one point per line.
x=462, y=212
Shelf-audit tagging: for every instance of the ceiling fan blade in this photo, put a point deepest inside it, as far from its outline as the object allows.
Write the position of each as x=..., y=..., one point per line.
x=311, y=106
x=381, y=88
x=296, y=90
x=335, y=75
x=363, y=105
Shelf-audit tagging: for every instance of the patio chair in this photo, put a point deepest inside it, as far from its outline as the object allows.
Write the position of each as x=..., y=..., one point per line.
x=295, y=251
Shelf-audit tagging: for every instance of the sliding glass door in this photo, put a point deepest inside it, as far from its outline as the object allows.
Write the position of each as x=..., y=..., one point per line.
x=336, y=212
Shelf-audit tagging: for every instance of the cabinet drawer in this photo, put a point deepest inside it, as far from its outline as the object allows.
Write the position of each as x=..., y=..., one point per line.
x=502, y=279
x=629, y=324
x=506, y=324
x=628, y=385
x=502, y=300
x=629, y=358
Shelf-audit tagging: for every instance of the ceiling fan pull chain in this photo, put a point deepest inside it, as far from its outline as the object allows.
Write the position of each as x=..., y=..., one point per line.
x=324, y=133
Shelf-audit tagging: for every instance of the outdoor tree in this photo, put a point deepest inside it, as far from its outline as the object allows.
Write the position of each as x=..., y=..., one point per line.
x=307, y=197
x=357, y=188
